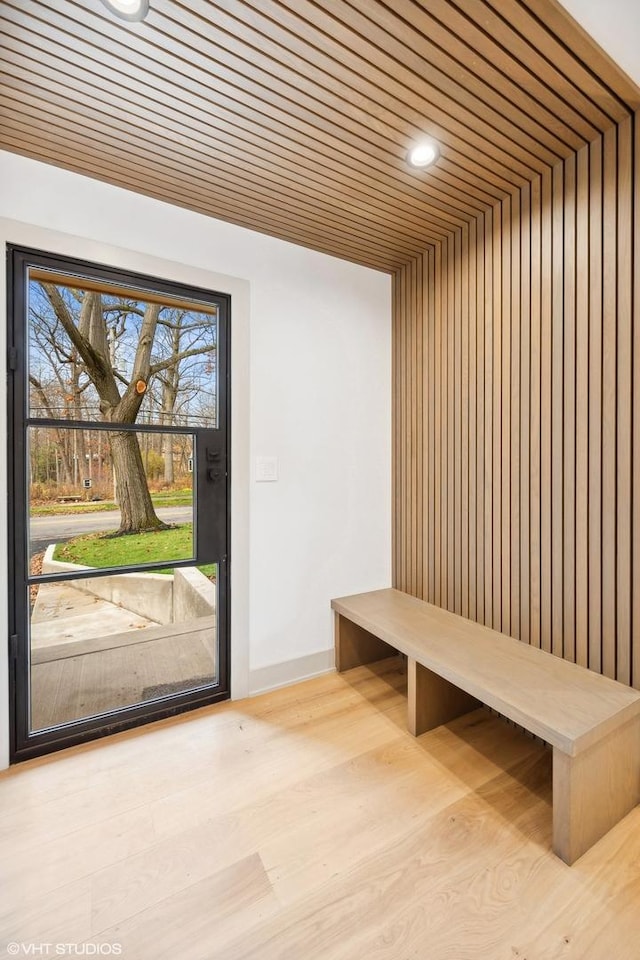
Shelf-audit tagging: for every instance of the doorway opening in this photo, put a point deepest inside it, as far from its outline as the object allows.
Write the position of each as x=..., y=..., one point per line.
x=118, y=499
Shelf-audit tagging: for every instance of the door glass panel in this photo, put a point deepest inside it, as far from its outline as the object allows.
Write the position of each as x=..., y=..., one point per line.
x=96, y=354
x=88, y=486
x=105, y=643
x=118, y=413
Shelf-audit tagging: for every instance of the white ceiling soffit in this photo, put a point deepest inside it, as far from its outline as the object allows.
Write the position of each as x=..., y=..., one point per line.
x=615, y=26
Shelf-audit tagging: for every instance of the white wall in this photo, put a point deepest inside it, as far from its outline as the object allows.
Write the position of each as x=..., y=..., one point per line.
x=615, y=25
x=311, y=384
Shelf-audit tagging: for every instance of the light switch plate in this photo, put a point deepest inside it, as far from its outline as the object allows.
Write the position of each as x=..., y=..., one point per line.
x=266, y=469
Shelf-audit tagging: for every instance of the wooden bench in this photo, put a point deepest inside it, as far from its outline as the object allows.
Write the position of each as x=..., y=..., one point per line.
x=454, y=665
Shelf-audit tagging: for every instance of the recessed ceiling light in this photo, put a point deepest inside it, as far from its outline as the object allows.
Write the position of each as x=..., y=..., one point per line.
x=128, y=9
x=423, y=154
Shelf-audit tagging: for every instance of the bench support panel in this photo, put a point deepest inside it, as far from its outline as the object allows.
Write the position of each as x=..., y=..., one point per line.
x=593, y=791
x=433, y=700
x=356, y=646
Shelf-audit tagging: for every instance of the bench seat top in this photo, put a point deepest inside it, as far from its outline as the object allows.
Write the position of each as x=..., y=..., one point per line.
x=566, y=705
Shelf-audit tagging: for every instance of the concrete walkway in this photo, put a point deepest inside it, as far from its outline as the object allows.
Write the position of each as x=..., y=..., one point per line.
x=90, y=656
x=63, y=614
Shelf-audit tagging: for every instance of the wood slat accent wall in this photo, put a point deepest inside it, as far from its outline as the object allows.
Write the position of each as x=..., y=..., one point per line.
x=517, y=412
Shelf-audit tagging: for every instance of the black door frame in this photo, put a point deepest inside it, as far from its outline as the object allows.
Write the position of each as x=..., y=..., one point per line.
x=212, y=445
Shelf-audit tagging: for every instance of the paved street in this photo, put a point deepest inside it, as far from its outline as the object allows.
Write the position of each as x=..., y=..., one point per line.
x=46, y=530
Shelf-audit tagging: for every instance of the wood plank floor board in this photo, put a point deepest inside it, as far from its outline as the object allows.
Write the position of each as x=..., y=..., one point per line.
x=64, y=915
x=221, y=907
x=308, y=823
x=285, y=763
x=492, y=892
x=374, y=820
x=102, y=784
x=33, y=874
x=590, y=916
x=257, y=773
x=347, y=918
x=366, y=779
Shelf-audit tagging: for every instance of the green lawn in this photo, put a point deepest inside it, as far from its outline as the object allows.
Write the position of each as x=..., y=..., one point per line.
x=101, y=550
x=173, y=498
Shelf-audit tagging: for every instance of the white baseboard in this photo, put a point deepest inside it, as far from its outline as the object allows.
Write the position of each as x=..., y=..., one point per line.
x=290, y=671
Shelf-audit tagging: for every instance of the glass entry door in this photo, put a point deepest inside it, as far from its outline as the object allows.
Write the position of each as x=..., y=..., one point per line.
x=118, y=499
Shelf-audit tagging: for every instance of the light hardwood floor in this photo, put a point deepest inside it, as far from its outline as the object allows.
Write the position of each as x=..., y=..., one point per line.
x=308, y=824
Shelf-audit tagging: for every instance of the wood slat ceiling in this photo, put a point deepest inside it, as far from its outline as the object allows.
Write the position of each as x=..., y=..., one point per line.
x=294, y=117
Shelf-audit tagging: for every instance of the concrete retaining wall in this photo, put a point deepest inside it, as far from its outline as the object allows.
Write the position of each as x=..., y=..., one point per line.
x=187, y=595
x=194, y=595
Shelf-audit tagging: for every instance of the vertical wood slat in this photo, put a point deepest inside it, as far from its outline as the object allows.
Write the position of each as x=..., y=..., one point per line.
x=525, y=414
x=568, y=570
x=406, y=494
x=395, y=394
x=437, y=462
x=480, y=422
x=635, y=516
x=472, y=415
x=582, y=411
x=546, y=399
x=609, y=377
x=416, y=530
x=431, y=280
x=505, y=416
x=451, y=435
x=514, y=404
x=624, y=400
x=557, y=409
x=456, y=552
x=535, y=414
x=427, y=454
x=443, y=424
x=496, y=565
x=488, y=419
x=409, y=453
x=410, y=532
x=398, y=432
x=595, y=406
x=409, y=460
x=403, y=432
x=464, y=423
x=421, y=427
x=516, y=387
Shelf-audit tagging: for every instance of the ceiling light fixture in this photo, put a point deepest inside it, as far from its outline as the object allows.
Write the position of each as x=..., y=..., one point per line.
x=423, y=154
x=128, y=9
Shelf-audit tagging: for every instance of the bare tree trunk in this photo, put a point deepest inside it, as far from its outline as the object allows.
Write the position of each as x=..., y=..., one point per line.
x=80, y=445
x=134, y=500
x=65, y=460
x=168, y=459
x=169, y=394
x=170, y=384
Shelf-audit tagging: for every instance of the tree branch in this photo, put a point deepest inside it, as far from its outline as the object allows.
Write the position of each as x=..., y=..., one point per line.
x=98, y=367
x=82, y=345
x=172, y=361
x=41, y=393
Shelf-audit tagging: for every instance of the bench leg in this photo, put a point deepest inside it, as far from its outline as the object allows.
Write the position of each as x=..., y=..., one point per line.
x=593, y=791
x=432, y=700
x=356, y=646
